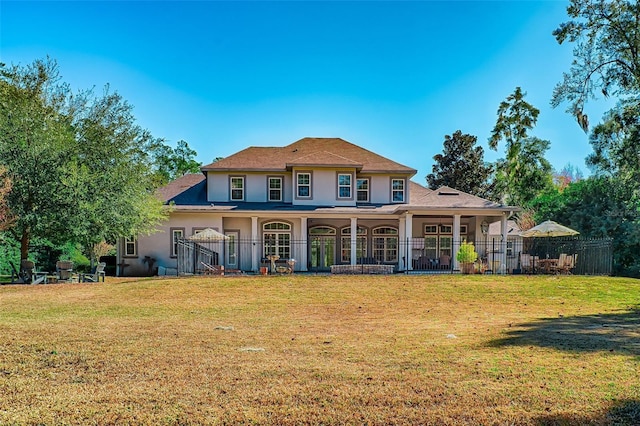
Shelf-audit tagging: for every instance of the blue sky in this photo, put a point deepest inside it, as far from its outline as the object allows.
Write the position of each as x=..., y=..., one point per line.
x=392, y=77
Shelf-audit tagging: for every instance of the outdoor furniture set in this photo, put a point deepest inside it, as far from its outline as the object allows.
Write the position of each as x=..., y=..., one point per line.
x=64, y=273
x=564, y=264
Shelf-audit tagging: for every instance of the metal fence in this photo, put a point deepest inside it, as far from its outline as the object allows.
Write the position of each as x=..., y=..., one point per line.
x=415, y=255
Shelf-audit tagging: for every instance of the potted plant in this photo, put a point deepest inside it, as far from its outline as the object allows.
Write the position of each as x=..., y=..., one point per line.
x=467, y=256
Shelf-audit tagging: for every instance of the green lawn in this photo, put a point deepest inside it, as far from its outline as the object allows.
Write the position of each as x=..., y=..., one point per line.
x=322, y=350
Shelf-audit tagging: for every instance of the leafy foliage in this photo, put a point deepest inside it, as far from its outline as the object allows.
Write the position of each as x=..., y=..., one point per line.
x=616, y=143
x=461, y=166
x=170, y=164
x=598, y=207
x=466, y=253
x=525, y=172
x=606, y=34
x=77, y=162
x=6, y=217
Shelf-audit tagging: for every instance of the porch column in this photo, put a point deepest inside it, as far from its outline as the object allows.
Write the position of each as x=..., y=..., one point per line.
x=255, y=242
x=503, y=244
x=407, y=245
x=456, y=242
x=354, y=241
x=304, y=250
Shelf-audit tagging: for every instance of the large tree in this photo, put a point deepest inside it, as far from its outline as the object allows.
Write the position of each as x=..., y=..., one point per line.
x=461, y=166
x=524, y=172
x=598, y=207
x=6, y=217
x=616, y=143
x=606, y=54
x=170, y=163
x=77, y=162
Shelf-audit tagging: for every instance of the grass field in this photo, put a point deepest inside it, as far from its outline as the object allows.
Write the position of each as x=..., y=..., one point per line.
x=322, y=350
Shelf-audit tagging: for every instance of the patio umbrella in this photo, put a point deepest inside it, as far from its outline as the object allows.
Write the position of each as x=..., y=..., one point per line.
x=549, y=228
x=208, y=235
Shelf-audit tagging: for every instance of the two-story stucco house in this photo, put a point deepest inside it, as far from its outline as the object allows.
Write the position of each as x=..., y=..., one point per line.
x=321, y=201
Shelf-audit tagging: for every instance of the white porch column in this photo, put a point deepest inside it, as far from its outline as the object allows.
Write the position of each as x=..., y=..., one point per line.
x=303, y=250
x=456, y=242
x=407, y=245
x=503, y=244
x=255, y=239
x=354, y=241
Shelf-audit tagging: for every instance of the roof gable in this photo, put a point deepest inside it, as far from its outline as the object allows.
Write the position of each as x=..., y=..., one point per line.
x=324, y=152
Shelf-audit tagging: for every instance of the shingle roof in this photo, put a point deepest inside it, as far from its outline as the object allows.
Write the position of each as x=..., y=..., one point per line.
x=317, y=152
x=188, y=189
x=445, y=197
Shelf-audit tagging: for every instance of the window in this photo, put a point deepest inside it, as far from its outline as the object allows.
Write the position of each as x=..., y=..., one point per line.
x=397, y=190
x=176, y=234
x=463, y=229
x=303, y=183
x=344, y=185
x=431, y=229
x=277, y=239
x=130, y=247
x=345, y=244
x=385, y=244
x=446, y=229
x=510, y=248
x=362, y=186
x=237, y=188
x=275, y=188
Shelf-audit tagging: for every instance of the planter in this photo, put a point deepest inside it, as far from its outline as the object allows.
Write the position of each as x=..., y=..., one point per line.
x=468, y=268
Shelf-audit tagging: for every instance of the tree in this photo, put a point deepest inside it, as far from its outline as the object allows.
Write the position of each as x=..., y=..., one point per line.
x=568, y=174
x=616, y=143
x=6, y=217
x=598, y=207
x=606, y=34
x=77, y=162
x=525, y=172
x=170, y=164
x=461, y=166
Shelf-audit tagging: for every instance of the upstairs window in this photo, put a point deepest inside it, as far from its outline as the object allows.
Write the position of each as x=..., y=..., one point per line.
x=237, y=188
x=344, y=185
x=362, y=186
x=397, y=190
x=303, y=185
x=130, y=247
x=275, y=189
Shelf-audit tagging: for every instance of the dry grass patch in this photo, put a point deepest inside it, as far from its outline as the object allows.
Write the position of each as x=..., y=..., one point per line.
x=322, y=350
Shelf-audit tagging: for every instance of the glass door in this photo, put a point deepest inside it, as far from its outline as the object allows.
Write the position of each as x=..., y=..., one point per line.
x=232, y=261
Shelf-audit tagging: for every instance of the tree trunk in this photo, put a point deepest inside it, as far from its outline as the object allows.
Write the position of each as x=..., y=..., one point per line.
x=24, y=245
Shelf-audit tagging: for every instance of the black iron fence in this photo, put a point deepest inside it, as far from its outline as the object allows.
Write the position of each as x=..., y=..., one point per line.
x=431, y=254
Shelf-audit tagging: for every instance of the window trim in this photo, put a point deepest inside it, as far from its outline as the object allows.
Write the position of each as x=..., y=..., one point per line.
x=276, y=232
x=126, y=241
x=231, y=188
x=310, y=185
x=281, y=189
x=367, y=191
x=173, y=248
x=350, y=186
x=403, y=191
x=376, y=234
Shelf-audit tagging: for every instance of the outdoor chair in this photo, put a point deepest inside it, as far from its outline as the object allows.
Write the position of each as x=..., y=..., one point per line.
x=569, y=264
x=445, y=261
x=27, y=274
x=97, y=274
x=212, y=269
x=64, y=271
x=525, y=263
